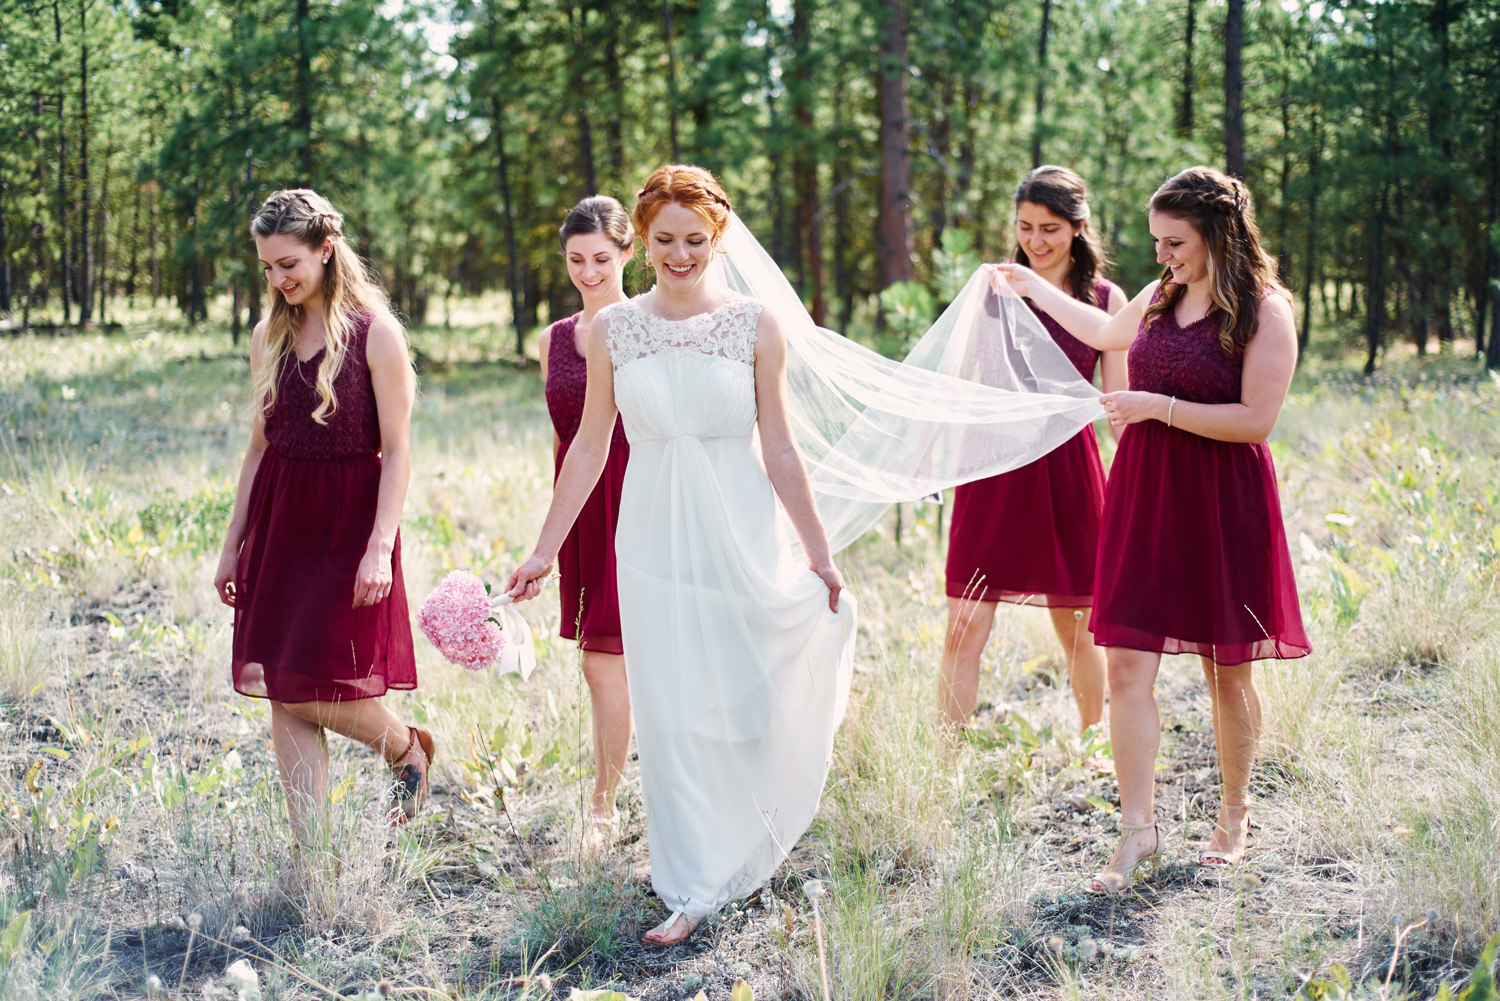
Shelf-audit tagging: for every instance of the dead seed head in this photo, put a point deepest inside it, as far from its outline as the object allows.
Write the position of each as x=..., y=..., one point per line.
x=1251, y=881
x=383, y=988
x=814, y=889
x=1055, y=945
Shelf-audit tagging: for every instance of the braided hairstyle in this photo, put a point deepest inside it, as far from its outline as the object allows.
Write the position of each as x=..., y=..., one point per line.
x=688, y=186
x=1063, y=193
x=1239, y=269
x=349, y=290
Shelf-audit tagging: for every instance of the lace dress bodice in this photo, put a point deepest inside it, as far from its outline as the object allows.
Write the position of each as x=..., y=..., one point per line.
x=567, y=383
x=1187, y=362
x=684, y=378
x=351, y=431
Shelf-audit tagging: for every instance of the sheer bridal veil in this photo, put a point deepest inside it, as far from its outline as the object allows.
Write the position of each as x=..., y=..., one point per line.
x=984, y=391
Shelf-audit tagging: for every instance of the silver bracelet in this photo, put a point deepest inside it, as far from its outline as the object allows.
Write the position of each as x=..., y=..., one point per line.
x=1170, y=405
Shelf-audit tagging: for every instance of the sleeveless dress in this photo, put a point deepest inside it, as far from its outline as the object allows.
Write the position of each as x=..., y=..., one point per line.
x=311, y=512
x=1193, y=555
x=590, y=594
x=1031, y=536
x=738, y=672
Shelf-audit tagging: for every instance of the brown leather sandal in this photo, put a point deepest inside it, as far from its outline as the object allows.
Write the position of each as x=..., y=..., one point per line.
x=410, y=785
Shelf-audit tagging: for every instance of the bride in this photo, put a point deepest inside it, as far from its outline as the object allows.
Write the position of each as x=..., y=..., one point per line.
x=737, y=655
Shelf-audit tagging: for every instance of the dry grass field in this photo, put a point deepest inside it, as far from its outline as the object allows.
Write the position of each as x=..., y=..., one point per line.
x=142, y=827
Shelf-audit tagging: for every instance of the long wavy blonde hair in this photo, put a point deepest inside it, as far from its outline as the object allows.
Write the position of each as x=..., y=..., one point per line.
x=1239, y=269
x=349, y=291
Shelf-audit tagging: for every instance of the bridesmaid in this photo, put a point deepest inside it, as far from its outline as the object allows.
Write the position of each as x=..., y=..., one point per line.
x=312, y=559
x=1030, y=536
x=1193, y=555
x=597, y=240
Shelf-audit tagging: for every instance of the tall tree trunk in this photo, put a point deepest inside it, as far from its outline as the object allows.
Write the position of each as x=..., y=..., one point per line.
x=303, y=123
x=1284, y=208
x=1375, y=270
x=101, y=230
x=1441, y=275
x=36, y=280
x=86, y=250
x=1308, y=270
x=4, y=253
x=197, y=292
x=1482, y=300
x=1185, y=107
x=252, y=290
x=1234, y=108
x=512, y=262
x=154, y=258
x=1041, y=78
x=1492, y=259
x=808, y=230
x=614, y=126
x=577, y=18
x=666, y=29
x=774, y=143
x=893, y=241
x=843, y=171
x=135, y=247
x=65, y=255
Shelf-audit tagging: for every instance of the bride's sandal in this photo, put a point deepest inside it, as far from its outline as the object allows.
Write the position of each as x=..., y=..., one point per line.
x=410, y=786
x=1214, y=859
x=1111, y=882
x=675, y=929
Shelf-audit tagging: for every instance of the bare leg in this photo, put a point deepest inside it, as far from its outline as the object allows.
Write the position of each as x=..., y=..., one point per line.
x=610, y=698
x=1085, y=663
x=372, y=724
x=365, y=720
x=1237, y=719
x=302, y=758
x=969, y=624
x=1135, y=734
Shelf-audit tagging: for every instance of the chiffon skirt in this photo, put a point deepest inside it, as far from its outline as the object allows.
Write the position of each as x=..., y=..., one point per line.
x=296, y=638
x=1031, y=535
x=590, y=590
x=1193, y=555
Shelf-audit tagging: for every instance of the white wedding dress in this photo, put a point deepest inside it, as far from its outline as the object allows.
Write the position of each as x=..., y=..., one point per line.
x=738, y=672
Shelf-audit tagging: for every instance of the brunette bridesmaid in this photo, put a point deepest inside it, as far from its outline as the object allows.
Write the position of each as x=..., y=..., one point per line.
x=312, y=559
x=1193, y=555
x=597, y=240
x=1030, y=536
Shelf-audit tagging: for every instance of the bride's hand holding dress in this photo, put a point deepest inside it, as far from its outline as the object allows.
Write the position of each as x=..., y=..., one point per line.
x=783, y=463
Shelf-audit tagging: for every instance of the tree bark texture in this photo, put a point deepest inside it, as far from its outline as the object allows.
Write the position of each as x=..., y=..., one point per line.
x=303, y=123
x=1234, y=86
x=893, y=243
x=85, y=248
x=1185, y=108
x=1041, y=84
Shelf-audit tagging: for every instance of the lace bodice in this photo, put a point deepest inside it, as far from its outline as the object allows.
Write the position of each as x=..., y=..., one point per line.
x=1187, y=362
x=726, y=332
x=351, y=431
x=1083, y=357
x=567, y=383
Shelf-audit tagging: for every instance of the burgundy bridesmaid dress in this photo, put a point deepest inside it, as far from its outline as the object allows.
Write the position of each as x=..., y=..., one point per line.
x=312, y=510
x=1193, y=555
x=590, y=596
x=1030, y=535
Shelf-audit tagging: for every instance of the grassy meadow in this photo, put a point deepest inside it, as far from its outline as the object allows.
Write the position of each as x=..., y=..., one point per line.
x=142, y=828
